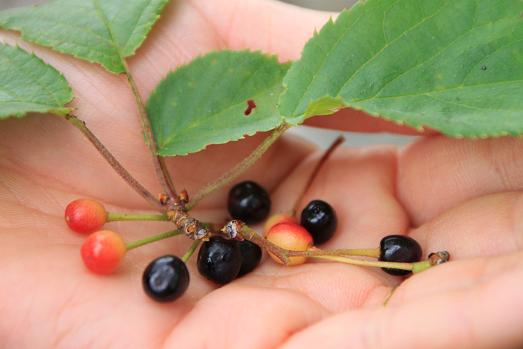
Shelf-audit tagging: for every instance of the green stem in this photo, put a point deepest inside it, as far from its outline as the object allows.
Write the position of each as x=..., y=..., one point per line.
x=283, y=254
x=414, y=267
x=360, y=252
x=421, y=266
x=191, y=250
x=234, y=172
x=113, y=162
x=150, y=239
x=337, y=255
x=117, y=217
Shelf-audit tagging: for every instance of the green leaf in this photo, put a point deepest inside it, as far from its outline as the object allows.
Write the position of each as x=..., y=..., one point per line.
x=204, y=102
x=98, y=31
x=455, y=66
x=28, y=85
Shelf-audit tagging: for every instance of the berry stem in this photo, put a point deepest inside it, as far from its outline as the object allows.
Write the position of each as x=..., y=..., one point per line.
x=333, y=255
x=360, y=252
x=191, y=250
x=117, y=217
x=150, y=239
x=249, y=234
x=421, y=266
x=326, y=155
x=162, y=172
x=234, y=172
x=113, y=162
x=414, y=267
x=284, y=254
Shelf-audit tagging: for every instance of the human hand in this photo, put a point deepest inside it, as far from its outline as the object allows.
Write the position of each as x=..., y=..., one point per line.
x=461, y=196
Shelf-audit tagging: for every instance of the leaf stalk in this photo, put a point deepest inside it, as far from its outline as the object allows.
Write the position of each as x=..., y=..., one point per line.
x=160, y=167
x=241, y=167
x=113, y=162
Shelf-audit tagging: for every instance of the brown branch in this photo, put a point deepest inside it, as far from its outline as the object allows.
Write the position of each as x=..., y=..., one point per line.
x=326, y=155
x=234, y=172
x=113, y=162
x=160, y=168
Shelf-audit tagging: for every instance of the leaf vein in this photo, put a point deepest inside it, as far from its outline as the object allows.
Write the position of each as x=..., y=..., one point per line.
x=379, y=52
x=439, y=91
x=35, y=80
x=105, y=20
x=322, y=65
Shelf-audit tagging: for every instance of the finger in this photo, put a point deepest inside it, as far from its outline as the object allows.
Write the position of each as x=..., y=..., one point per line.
x=486, y=226
x=358, y=121
x=454, y=276
x=316, y=281
x=437, y=173
x=268, y=26
x=485, y=315
x=244, y=317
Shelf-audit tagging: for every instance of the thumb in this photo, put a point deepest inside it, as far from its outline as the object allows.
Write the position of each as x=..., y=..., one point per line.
x=265, y=25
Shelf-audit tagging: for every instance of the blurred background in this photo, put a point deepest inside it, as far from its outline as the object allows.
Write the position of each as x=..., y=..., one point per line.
x=328, y=5
x=318, y=136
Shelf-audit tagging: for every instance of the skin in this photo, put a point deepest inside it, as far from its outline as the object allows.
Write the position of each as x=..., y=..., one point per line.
x=459, y=195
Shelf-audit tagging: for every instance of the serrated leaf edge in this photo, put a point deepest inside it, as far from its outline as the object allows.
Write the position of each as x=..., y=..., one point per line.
x=267, y=56
x=56, y=111
x=122, y=64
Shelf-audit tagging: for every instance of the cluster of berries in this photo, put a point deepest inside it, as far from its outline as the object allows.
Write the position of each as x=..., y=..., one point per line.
x=222, y=260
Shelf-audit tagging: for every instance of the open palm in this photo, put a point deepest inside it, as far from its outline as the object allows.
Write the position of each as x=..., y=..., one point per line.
x=460, y=196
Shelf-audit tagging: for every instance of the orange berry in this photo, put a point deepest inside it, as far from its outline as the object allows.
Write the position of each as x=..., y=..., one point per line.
x=103, y=251
x=85, y=216
x=290, y=236
x=277, y=219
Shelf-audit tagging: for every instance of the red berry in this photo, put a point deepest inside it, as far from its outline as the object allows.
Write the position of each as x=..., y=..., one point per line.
x=85, y=216
x=103, y=251
x=290, y=236
x=277, y=219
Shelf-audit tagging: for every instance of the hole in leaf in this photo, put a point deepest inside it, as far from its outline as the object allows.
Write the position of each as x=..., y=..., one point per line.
x=483, y=67
x=250, y=107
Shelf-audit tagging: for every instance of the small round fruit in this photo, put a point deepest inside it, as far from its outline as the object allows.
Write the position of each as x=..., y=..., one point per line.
x=103, y=251
x=220, y=260
x=249, y=202
x=399, y=248
x=251, y=256
x=165, y=279
x=85, y=216
x=277, y=219
x=292, y=237
x=319, y=218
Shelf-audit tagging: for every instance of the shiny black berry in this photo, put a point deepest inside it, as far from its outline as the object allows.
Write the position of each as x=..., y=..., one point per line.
x=251, y=256
x=249, y=202
x=165, y=279
x=319, y=218
x=399, y=248
x=220, y=260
